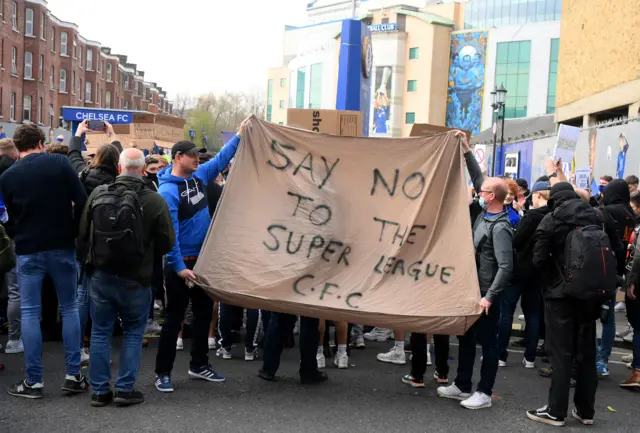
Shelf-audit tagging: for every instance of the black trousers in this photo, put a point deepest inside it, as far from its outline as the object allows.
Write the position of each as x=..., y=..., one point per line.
x=178, y=295
x=280, y=326
x=571, y=335
x=419, y=355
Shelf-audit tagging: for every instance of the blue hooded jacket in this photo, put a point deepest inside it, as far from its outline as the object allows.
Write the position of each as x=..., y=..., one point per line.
x=188, y=204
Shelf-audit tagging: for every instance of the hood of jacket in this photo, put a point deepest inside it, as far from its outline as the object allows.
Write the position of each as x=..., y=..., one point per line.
x=94, y=177
x=617, y=192
x=574, y=211
x=5, y=163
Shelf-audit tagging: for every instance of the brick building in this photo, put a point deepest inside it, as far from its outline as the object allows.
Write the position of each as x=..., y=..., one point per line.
x=45, y=64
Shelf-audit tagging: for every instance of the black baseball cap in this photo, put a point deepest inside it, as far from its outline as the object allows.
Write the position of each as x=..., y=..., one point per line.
x=186, y=148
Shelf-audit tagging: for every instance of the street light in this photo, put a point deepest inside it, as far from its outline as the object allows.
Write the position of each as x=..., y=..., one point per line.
x=498, y=98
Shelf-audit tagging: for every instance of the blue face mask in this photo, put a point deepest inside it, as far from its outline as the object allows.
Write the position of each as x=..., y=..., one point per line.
x=601, y=188
x=483, y=204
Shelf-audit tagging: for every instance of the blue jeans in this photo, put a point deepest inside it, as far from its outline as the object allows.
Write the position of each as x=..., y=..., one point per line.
x=83, y=301
x=61, y=267
x=608, y=335
x=112, y=296
x=531, y=294
x=633, y=314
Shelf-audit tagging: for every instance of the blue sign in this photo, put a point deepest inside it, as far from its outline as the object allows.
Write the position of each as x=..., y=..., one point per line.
x=354, y=71
x=383, y=28
x=79, y=114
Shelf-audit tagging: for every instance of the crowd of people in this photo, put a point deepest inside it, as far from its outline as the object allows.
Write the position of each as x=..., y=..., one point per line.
x=116, y=235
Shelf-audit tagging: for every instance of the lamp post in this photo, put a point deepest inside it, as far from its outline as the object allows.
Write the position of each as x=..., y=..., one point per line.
x=498, y=98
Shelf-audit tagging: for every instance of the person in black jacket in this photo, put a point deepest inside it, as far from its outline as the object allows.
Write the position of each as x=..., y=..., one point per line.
x=570, y=322
x=103, y=170
x=615, y=198
x=525, y=281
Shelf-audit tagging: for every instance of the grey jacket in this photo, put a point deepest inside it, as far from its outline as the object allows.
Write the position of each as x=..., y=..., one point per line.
x=492, y=241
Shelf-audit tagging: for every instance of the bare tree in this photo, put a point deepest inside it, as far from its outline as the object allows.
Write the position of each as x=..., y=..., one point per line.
x=182, y=104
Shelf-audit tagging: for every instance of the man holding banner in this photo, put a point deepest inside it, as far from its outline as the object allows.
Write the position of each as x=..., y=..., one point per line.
x=493, y=243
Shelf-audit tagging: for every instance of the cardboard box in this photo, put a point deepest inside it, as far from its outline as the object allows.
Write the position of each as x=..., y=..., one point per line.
x=424, y=129
x=335, y=122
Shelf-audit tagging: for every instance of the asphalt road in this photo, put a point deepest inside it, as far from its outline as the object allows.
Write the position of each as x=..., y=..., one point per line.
x=368, y=397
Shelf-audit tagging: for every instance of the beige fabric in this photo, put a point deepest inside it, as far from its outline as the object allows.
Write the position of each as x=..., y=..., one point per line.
x=254, y=257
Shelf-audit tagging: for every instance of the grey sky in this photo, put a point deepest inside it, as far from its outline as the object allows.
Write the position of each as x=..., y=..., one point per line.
x=193, y=46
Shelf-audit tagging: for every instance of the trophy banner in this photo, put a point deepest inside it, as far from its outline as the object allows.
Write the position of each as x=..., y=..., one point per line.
x=362, y=230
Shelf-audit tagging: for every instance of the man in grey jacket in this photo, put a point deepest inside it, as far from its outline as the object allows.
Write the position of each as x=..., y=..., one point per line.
x=493, y=245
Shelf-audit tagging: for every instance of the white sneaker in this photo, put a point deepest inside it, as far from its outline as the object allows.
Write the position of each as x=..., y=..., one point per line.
x=378, y=334
x=84, y=355
x=627, y=358
x=14, y=346
x=393, y=356
x=250, y=356
x=224, y=353
x=341, y=360
x=322, y=362
x=620, y=307
x=628, y=338
x=152, y=328
x=179, y=344
x=502, y=363
x=521, y=317
x=479, y=400
x=359, y=342
x=452, y=392
x=429, y=356
x=212, y=343
x=528, y=364
x=628, y=330
x=157, y=306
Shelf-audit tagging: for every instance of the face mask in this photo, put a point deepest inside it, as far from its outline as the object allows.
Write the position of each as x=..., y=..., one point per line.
x=601, y=188
x=483, y=204
x=153, y=177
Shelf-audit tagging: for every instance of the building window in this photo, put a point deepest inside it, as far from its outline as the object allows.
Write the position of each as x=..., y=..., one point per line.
x=108, y=99
x=553, y=76
x=73, y=82
x=109, y=71
x=315, y=87
x=28, y=65
x=384, y=21
x=79, y=89
x=414, y=53
x=12, y=106
x=53, y=39
x=80, y=57
x=87, y=92
x=89, y=60
x=282, y=103
x=126, y=105
x=52, y=73
x=512, y=72
x=482, y=14
x=269, y=99
x=410, y=118
x=412, y=85
x=51, y=115
x=1, y=54
x=40, y=108
x=14, y=61
x=64, y=43
x=302, y=78
x=43, y=19
x=41, y=69
x=75, y=48
x=26, y=108
x=135, y=88
x=63, y=80
x=14, y=16
x=28, y=22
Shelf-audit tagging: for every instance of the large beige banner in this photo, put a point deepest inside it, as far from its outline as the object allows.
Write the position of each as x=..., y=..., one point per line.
x=364, y=230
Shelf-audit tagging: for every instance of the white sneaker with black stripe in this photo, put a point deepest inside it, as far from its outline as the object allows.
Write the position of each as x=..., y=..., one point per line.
x=543, y=416
x=207, y=373
x=24, y=390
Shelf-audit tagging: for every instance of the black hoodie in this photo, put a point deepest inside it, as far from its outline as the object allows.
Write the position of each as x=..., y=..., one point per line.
x=91, y=178
x=615, y=202
x=568, y=212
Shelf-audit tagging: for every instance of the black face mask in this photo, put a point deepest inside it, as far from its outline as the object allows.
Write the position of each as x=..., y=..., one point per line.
x=153, y=177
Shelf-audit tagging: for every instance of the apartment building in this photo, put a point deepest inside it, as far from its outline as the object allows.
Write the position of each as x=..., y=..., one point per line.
x=46, y=64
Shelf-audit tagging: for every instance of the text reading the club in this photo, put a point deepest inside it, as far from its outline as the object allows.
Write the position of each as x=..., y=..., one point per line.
x=319, y=170
x=304, y=286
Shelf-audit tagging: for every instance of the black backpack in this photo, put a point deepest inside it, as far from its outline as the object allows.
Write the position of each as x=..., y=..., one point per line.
x=117, y=242
x=589, y=270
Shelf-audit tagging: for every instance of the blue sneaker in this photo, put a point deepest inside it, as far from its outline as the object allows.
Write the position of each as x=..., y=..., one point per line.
x=602, y=369
x=206, y=372
x=163, y=384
